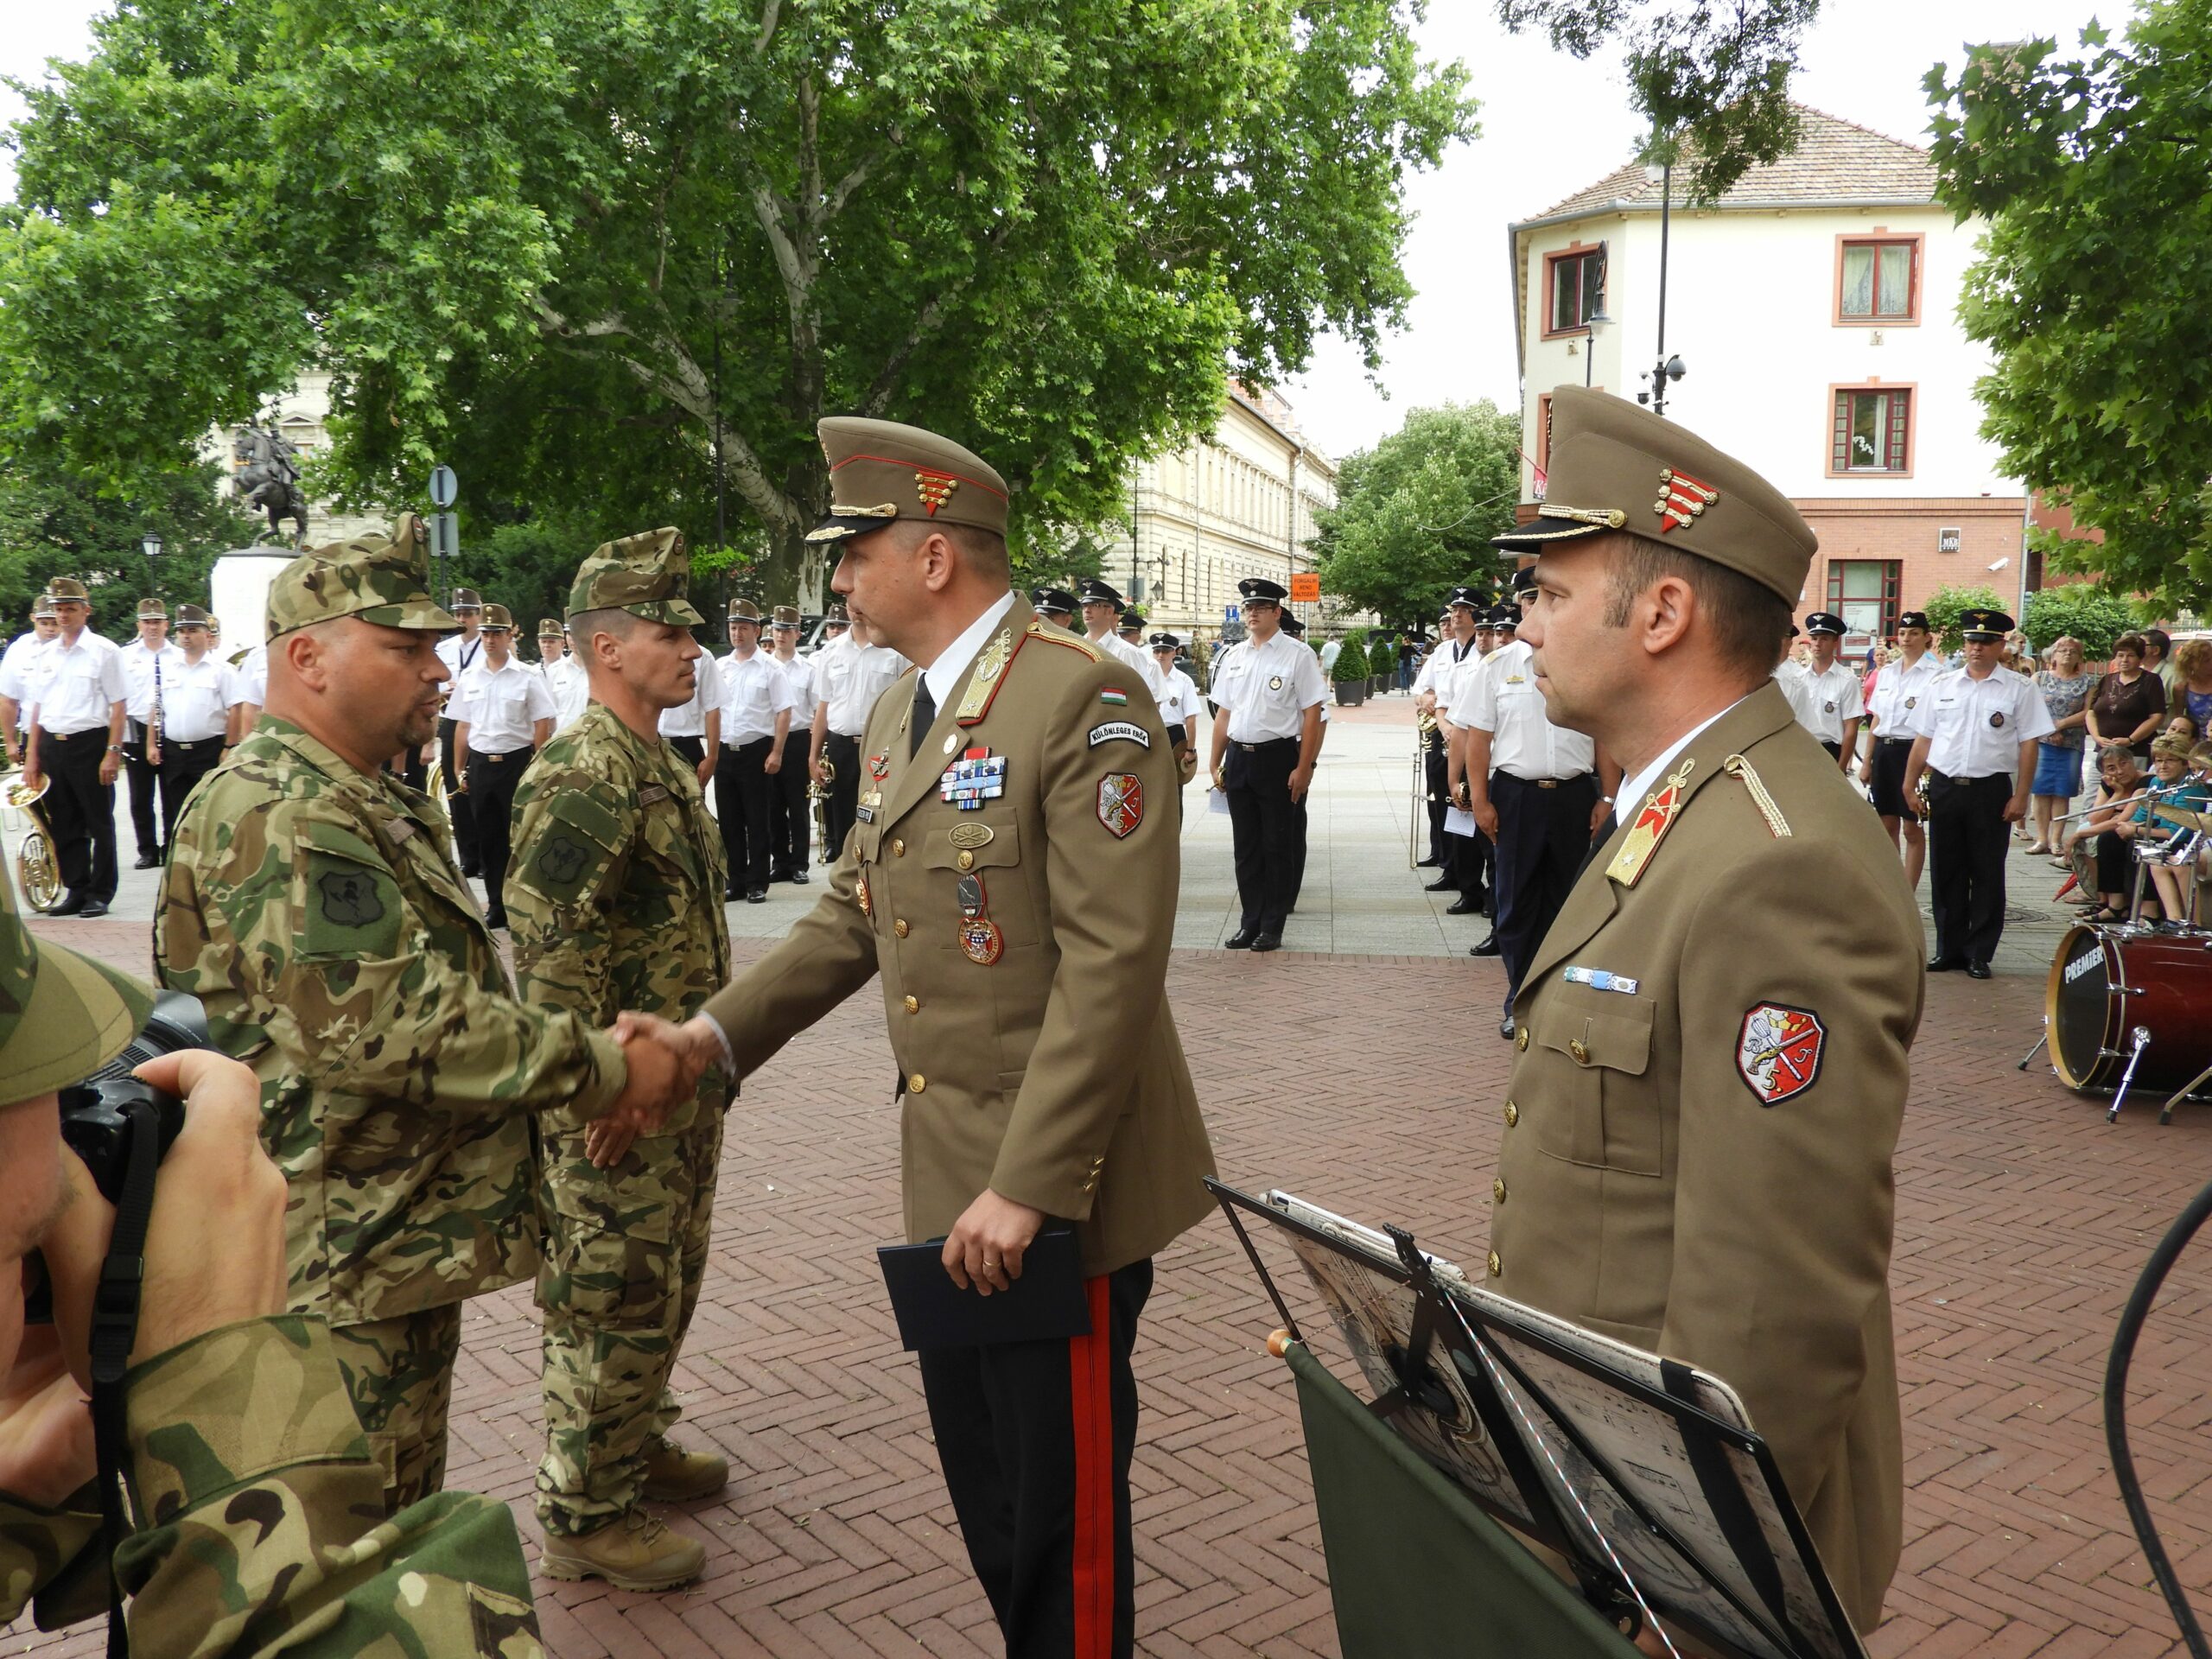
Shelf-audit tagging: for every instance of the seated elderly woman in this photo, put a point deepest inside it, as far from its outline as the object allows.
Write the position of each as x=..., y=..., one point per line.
x=2095, y=850
x=2168, y=847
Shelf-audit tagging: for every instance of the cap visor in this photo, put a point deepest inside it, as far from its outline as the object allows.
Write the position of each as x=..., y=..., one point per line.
x=80, y=1014
x=1540, y=533
x=676, y=613
x=837, y=526
x=415, y=613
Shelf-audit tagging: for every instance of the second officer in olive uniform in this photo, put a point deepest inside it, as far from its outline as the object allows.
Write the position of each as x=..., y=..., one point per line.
x=1012, y=879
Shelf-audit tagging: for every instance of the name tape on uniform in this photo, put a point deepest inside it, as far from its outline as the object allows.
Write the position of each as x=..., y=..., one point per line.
x=1125, y=730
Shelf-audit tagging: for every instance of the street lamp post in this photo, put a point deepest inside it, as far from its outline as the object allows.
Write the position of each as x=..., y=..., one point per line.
x=1666, y=368
x=1597, y=319
x=150, y=544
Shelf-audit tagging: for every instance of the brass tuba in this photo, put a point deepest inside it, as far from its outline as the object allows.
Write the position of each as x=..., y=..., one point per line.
x=818, y=793
x=38, y=871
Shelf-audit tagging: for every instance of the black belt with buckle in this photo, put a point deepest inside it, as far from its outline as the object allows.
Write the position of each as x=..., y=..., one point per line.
x=497, y=760
x=1544, y=783
x=1265, y=743
x=1896, y=740
x=192, y=748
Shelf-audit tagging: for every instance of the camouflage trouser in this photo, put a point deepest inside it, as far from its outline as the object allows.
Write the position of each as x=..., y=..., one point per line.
x=624, y=1251
x=399, y=1372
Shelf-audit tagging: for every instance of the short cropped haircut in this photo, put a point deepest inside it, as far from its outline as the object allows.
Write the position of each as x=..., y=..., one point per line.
x=1748, y=621
x=612, y=620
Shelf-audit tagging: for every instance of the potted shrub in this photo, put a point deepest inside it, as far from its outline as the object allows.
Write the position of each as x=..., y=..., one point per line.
x=1351, y=673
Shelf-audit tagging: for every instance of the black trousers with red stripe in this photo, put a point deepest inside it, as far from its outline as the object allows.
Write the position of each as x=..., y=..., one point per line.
x=1035, y=1439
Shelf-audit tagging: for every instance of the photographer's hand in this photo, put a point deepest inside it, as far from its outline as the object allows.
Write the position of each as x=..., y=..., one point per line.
x=45, y=1427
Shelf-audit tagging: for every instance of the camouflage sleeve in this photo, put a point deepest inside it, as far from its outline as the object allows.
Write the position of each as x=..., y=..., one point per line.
x=35, y=1544
x=259, y=1510
x=335, y=969
x=571, y=849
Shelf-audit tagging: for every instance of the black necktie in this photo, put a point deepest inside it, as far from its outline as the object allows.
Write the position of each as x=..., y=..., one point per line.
x=923, y=718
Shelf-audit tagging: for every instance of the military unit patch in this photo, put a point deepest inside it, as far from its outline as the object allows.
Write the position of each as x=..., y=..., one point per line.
x=1125, y=730
x=1778, y=1051
x=1115, y=695
x=1121, y=802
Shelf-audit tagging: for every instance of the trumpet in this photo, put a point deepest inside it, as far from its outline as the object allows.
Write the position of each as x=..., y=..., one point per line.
x=1424, y=726
x=38, y=871
x=819, y=794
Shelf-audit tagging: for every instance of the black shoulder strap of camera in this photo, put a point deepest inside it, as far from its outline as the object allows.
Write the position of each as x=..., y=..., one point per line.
x=115, y=1331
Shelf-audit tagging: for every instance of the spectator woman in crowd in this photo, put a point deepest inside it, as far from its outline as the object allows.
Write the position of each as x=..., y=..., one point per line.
x=2128, y=705
x=2065, y=685
x=2168, y=849
x=2095, y=850
x=2192, y=690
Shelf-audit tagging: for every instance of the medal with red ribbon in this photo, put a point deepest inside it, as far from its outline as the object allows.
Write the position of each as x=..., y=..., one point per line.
x=980, y=938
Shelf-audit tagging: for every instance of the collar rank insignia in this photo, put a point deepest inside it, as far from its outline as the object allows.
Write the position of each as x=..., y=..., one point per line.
x=1682, y=499
x=935, y=489
x=1650, y=828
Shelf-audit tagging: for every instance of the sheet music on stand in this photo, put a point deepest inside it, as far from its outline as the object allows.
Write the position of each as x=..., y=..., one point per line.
x=1646, y=1474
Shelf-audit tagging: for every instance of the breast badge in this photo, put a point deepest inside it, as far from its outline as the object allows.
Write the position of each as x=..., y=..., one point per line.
x=1121, y=802
x=1275, y=684
x=861, y=896
x=980, y=942
x=1998, y=719
x=1778, y=1051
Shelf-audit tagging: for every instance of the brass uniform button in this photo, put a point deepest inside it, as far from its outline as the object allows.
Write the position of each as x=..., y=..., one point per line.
x=1580, y=1050
x=916, y=1083
x=1498, y=1190
x=899, y=850
x=899, y=927
x=1521, y=1039
x=1512, y=1114
x=966, y=860
x=913, y=1005
x=1497, y=1267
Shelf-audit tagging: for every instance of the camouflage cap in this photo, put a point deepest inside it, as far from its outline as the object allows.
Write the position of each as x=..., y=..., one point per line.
x=880, y=471
x=498, y=620
x=152, y=610
x=549, y=627
x=62, y=1016
x=648, y=574
x=381, y=579
x=67, y=588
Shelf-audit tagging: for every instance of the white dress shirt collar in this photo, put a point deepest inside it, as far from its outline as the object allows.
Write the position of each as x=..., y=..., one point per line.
x=1631, y=798
x=944, y=674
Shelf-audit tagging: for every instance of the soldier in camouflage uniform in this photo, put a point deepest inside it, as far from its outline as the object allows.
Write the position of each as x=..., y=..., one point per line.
x=254, y=1497
x=310, y=903
x=615, y=900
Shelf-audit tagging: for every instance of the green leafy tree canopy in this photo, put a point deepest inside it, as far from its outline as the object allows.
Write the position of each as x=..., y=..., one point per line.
x=2082, y=609
x=1943, y=607
x=580, y=251
x=2090, y=291
x=1414, y=515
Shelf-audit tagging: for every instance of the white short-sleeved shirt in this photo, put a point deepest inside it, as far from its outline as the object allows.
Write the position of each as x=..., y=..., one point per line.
x=22, y=672
x=1136, y=656
x=1179, y=701
x=1976, y=727
x=502, y=705
x=82, y=683
x=138, y=675
x=754, y=691
x=1267, y=688
x=689, y=719
x=871, y=670
x=1830, y=699
x=1443, y=672
x=1501, y=697
x=195, y=699
x=799, y=676
x=570, y=683
x=1900, y=701
x=250, y=679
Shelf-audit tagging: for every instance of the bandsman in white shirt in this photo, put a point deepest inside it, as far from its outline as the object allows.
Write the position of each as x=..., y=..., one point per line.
x=789, y=825
x=833, y=758
x=147, y=662
x=564, y=675
x=694, y=730
x=756, y=717
x=1179, y=707
x=249, y=689
x=1832, y=705
x=1789, y=674
x=1266, y=734
x=503, y=712
x=1979, y=753
x=1457, y=657
x=460, y=652
x=76, y=737
x=1536, y=790
x=20, y=674
x=868, y=671
x=1898, y=714
x=1293, y=626
x=1436, y=792
x=195, y=715
x=1056, y=606
x=1102, y=615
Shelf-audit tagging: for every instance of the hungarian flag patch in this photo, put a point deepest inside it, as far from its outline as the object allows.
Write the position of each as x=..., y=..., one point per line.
x=1114, y=694
x=1778, y=1051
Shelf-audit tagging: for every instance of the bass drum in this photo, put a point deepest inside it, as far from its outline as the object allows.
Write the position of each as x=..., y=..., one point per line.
x=2106, y=981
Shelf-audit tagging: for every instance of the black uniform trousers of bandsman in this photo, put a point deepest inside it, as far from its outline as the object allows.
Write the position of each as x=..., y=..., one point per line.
x=1264, y=825
x=183, y=765
x=843, y=754
x=1436, y=774
x=1543, y=841
x=1967, y=838
x=144, y=780
x=788, y=828
x=493, y=779
x=741, y=790
x=1035, y=1439
x=82, y=810
x=459, y=807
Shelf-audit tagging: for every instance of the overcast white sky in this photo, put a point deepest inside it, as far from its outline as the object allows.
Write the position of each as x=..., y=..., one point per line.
x=1550, y=125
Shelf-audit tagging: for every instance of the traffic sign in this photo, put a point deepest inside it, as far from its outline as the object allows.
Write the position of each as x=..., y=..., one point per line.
x=1305, y=587
x=445, y=535
x=444, y=488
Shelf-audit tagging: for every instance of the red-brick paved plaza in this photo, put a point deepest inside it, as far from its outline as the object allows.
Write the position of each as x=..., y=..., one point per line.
x=2023, y=1220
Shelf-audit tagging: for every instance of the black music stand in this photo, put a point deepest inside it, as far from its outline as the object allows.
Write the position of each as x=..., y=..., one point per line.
x=1645, y=1475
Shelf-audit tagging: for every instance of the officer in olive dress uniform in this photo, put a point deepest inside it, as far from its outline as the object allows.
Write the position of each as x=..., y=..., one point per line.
x=1012, y=878
x=1713, y=1035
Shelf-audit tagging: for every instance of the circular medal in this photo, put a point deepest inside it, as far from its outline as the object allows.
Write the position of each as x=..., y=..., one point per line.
x=1912, y=702
x=982, y=941
x=860, y=893
x=1998, y=719
x=1276, y=684
x=1828, y=708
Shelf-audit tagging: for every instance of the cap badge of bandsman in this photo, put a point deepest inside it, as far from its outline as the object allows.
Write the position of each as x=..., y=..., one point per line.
x=1682, y=499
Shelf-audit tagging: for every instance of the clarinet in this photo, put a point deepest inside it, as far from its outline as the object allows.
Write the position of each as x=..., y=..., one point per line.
x=154, y=735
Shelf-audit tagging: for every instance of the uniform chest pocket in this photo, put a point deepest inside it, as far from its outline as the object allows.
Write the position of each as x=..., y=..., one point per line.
x=669, y=843
x=1603, y=1111
x=977, y=859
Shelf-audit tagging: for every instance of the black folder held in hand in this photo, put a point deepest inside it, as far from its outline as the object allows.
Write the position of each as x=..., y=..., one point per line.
x=1046, y=1304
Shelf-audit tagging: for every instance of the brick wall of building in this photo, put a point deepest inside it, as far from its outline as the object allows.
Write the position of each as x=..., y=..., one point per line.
x=1907, y=530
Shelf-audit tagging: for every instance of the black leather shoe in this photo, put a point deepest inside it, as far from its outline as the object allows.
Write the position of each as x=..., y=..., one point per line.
x=798, y=878
x=1487, y=948
x=731, y=895
x=1430, y=864
x=496, y=920
x=473, y=872
x=1945, y=964
x=1463, y=907
x=1505, y=1029
x=148, y=861
x=757, y=896
x=1240, y=940
x=94, y=908
x=70, y=906
x=1444, y=884
x=1977, y=970
x=1267, y=942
